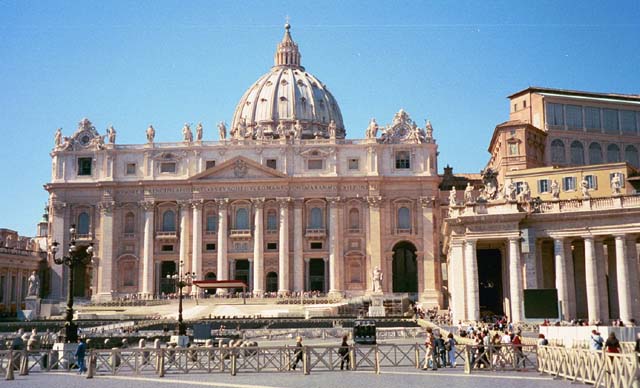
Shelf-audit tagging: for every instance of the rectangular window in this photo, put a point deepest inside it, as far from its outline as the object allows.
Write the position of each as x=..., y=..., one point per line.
x=212, y=223
x=210, y=247
x=592, y=181
x=592, y=118
x=167, y=248
x=569, y=183
x=513, y=148
x=168, y=167
x=403, y=160
x=574, y=116
x=515, y=107
x=610, y=120
x=316, y=245
x=543, y=186
x=354, y=164
x=272, y=246
x=272, y=163
x=210, y=164
x=524, y=103
x=555, y=114
x=628, y=123
x=84, y=166
x=130, y=169
x=314, y=164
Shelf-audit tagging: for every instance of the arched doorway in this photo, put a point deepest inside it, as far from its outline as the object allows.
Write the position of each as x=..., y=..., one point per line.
x=82, y=276
x=241, y=272
x=405, y=268
x=316, y=275
x=167, y=284
x=210, y=276
x=490, y=282
x=272, y=282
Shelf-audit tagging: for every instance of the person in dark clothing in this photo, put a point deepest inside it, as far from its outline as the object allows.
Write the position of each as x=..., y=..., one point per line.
x=637, y=348
x=441, y=351
x=80, y=354
x=612, y=345
x=298, y=353
x=344, y=353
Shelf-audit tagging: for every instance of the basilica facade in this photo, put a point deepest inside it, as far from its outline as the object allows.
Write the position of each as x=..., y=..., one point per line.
x=282, y=200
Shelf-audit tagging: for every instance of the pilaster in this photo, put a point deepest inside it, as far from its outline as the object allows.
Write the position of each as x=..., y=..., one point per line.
x=334, y=254
x=283, y=245
x=105, y=281
x=196, y=248
x=298, y=240
x=258, y=247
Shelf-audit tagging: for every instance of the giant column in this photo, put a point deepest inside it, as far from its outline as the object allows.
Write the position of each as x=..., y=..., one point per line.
x=622, y=272
x=561, y=277
x=147, y=249
x=471, y=278
x=515, y=279
x=60, y=233
x=283, y=245
x=258, y=247
x=106, y=251
x=456, y=284
x=430, y=277
x=634, y=284
x=601, y=264
x=334, y=254
x=375, y=236
x=196, y=247
x=591, y=270
x=298, y=262
x=222, y=267
x=183, y=207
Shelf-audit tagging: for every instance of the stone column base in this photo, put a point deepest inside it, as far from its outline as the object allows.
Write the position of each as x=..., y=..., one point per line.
x=431, y=298
x=102, y=297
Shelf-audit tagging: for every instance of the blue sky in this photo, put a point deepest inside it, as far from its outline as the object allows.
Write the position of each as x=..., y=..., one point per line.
x=129, y=64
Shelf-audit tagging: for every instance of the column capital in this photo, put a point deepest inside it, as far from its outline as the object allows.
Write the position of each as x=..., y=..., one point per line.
x=588, y=237
x=196, y=204
x=59, y=206
x=106, y=207
x=298, y=203
x=427, y=202
x=307, y=259
x=147, y=205
x=471, y=241
x=374, y=201
x=516, y=239
x=183, y=203
x=222, y=203
x=283, y=201
x=333, y=200
x=620, y=236
x=258, y=203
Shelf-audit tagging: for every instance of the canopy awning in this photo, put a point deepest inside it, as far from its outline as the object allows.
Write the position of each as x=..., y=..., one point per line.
x=209, y=284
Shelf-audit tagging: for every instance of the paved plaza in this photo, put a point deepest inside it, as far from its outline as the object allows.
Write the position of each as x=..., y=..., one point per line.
x=405, y=377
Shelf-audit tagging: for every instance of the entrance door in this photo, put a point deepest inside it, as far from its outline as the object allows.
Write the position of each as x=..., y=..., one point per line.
x=316, y=275
x=490, y=282
x=272, y=282
x=242, y=272
x=210, y=276
x=167, y=286
x=405, y=268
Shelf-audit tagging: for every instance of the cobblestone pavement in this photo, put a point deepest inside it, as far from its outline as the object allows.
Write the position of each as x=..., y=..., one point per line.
x=405, y=377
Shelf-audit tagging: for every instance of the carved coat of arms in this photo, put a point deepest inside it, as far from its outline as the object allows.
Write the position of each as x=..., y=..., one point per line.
x=240, y=168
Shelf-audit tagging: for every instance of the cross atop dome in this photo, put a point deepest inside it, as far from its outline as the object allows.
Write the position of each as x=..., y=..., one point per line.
x=287, y=53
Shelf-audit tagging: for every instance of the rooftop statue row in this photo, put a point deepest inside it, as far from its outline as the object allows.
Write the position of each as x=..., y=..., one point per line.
x=401, y=130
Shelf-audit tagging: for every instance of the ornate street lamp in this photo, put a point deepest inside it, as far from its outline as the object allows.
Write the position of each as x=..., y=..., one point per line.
x=182, y=280
x=77, y=255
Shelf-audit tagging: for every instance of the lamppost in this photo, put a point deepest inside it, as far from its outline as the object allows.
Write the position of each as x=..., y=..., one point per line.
x=77, y=255
x=183, y=280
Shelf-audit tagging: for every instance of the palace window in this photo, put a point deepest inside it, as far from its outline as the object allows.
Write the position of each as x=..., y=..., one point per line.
x=210, y=247
x=613, y=153
x=315, y=245
x=577, y=153
x=212, y=223
x=169, y=221
x=403, y=160
x=404, y=218
x=272, y=246
x=83, y=223
x=631, y=156
x=129, y=223
x=628, y=121
x=272, y=220
x=610, y=120
x=168, y=167
x=354, y=219
x=242, y=219
x=569, y=183
x=315, y=221
x=272, y=163
x=210, y=164
x=84, y=166
x=557, y=151
x=315, y=164
x=130, y=169
x=543, y=186
x=592, y=181
x=595, y=153
x=592, y=118
x=167, y=248
x=354, y=164
x=513, y=148
x=574, y=116
x=555, y=114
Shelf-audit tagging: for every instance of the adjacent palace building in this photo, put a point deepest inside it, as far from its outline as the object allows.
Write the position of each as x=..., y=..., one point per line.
x=286, y=203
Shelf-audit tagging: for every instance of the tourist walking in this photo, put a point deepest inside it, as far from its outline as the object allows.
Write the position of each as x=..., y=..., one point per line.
x=450, y=345
x=612, y=345
x=298, y=353
x=344, y=353
x=441, y=351
x=80, y=355
x=429, y=357
x=596, y=340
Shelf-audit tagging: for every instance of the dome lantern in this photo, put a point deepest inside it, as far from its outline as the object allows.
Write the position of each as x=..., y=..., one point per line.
x=287, y=53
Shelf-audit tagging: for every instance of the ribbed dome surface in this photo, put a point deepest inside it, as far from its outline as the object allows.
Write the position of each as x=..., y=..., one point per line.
x=287, y=94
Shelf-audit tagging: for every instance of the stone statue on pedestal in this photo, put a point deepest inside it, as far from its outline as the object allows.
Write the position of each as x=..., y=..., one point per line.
x=452, y=197
x=222, y=130
x=468, y=193
x=615, y=184
x=58, y=138
x=34, y=284
x=584, y=187
x=151, y=134
x=199, y=132
x=187, y=135
x=111, y=134
x=372, y=129
x=377, y=277
x=555, y=189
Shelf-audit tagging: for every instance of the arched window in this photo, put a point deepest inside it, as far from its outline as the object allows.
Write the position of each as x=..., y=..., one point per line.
x=595, y=153
x=212, y=222
x=557, y=151
x=354, y=219
x=242, y=219
x=272, y=220
x=613, y=153
x=129, y=223
x=169, y=221
x=316, y=218
x=83, y=223
x=577, y=153
x=404, y=218
x=631, y=156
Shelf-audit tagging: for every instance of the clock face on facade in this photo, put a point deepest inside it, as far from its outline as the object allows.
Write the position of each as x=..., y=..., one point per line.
x=84, y=138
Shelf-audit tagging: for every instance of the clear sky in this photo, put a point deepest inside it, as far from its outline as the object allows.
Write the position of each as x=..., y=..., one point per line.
x=131, y=64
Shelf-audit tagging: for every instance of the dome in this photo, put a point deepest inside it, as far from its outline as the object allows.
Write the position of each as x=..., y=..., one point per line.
x=287, y=100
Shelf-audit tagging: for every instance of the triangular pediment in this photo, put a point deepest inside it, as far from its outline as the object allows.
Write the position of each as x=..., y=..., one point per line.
x=238, y=168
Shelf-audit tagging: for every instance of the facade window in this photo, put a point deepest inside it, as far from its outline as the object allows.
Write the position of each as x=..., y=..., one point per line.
x=628, y=122
x=592, y=118
x=354, y=219
x=569, y=183
x=557, y=151
x=272, y=220
x=129, y=223
x=167, y=248
x=83, y=223
x=515, y=107
x=84, y=166
x=610, y=120
x=613, y=153
x=592, y=181
x=315, y=164
x=404, y=218
x=169, y=221
x=209, y=164
x=212, y=223
x=130, y=169
x=595, y=153
x=315, y=221
x=513, y=148
x=555, y=114
x=315, y=245
x=354, y=164
x=272, y=163
x=524, y=103
x=574, y=116
x=631, y=156
x=403, y=160
x=272, y=246
x=242, y=219
x=210, y=247
x=543, y=186
x=168, y=167
x=577, y=153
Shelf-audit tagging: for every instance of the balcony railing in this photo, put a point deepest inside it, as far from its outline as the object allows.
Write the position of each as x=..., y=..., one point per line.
x=354, y=230
x=315, y=233
x=271, y=231
x=129, y=235
x=210, y=232
x=166, y=235
x=84, y=237
x=403, y=230
x=240, y=233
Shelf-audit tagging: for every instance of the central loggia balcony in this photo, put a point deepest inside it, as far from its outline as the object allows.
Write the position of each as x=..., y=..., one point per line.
x=166, y=235
x=315, y=233
x=240, y=233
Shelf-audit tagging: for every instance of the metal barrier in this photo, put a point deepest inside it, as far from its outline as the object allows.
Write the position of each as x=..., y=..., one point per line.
x=618, y=370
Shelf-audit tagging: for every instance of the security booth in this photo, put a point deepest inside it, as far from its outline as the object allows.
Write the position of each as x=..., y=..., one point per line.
x=364, y=331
